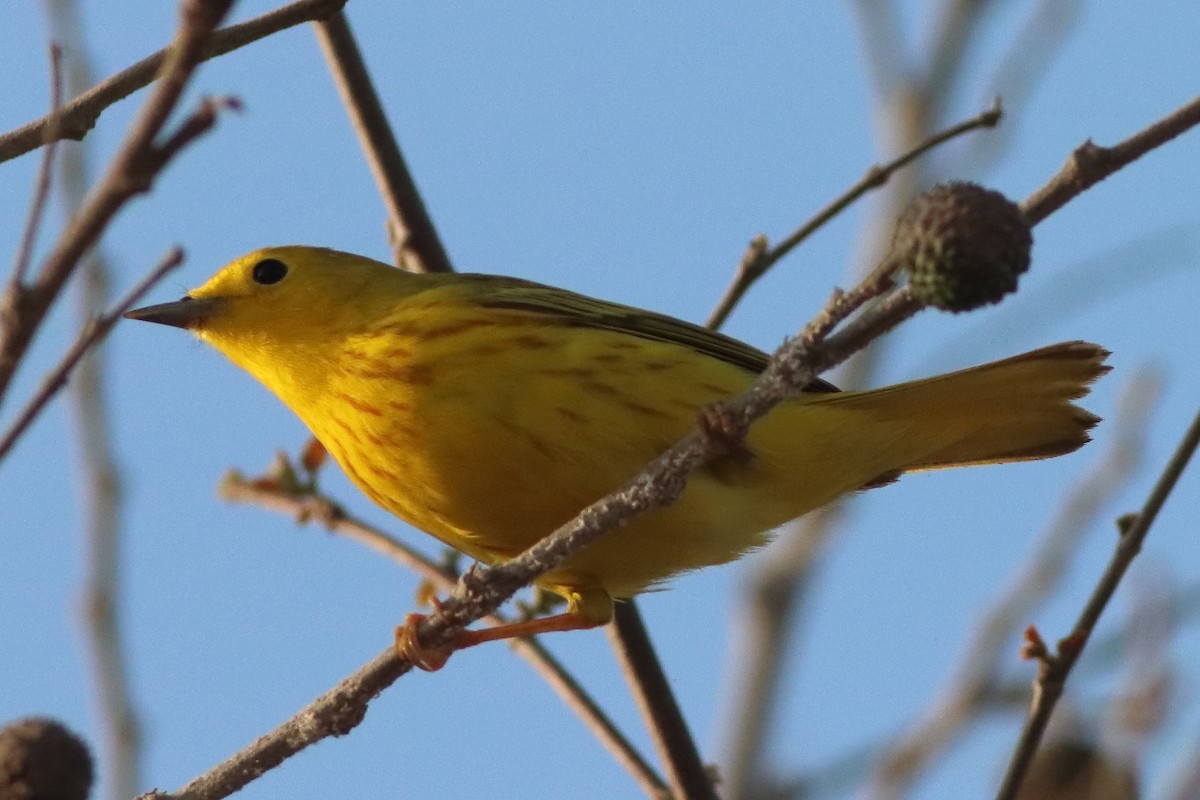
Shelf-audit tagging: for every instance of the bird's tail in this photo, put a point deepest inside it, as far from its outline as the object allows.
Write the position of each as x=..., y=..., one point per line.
x=1017, y=409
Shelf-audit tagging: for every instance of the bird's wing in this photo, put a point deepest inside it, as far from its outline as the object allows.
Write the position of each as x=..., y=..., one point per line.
x=568, y=308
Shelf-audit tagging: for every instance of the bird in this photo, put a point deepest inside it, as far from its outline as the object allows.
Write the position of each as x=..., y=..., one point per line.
x=487, y=411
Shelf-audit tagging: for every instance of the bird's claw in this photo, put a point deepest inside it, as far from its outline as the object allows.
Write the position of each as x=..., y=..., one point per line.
x=410, y=648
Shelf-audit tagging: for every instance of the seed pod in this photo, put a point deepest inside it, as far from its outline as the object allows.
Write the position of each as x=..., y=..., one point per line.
x=962, y=245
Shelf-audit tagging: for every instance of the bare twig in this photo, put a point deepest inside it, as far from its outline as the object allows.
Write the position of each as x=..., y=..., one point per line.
x=80, y=114
x=236, y=489
x=418, y=247
x=1090, y=163
x=673, y=740
x=131, y=172
x=760, y=257
x=93, y=332
x=41, y=191
x=975, y=677
x=1054, y=668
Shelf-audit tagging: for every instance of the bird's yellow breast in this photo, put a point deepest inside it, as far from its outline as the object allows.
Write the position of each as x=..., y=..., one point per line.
x=489, y=429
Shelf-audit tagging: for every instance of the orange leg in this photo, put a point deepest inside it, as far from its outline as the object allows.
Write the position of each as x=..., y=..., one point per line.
x=432, y=659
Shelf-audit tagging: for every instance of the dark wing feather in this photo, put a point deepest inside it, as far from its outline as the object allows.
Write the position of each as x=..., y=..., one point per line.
x=568, y=308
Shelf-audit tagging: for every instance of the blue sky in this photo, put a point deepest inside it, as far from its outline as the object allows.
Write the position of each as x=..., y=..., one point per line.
x=630, y=153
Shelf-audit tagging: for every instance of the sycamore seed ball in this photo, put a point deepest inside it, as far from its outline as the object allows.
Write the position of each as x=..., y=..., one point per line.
x=963, y=246
x=40, y=758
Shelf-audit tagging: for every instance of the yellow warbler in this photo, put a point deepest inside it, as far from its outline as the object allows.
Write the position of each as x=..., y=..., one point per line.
x=487, y=411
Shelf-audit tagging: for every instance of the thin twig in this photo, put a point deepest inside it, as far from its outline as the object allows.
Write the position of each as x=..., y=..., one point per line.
x=304, y=507
x=760, y=257
x=131, y=172
x=418, y=247
x=971, y=684
x=1054, y=668
x=1090, y=163
x=41, y=191
x=673, y=740
x=93, y=332
x=80, y=114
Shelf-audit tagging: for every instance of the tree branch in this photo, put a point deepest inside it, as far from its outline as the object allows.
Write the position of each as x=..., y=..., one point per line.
x=80, y=114
x=1090, y=163
x=132, y=171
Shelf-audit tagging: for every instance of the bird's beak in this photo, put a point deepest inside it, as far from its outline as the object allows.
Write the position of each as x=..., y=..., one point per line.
x=190, y=312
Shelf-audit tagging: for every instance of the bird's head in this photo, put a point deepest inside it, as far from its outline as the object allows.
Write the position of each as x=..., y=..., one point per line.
x=285, y=292
x=283, y=306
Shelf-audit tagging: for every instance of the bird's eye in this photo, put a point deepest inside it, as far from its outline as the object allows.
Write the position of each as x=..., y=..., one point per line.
x=269, y=270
